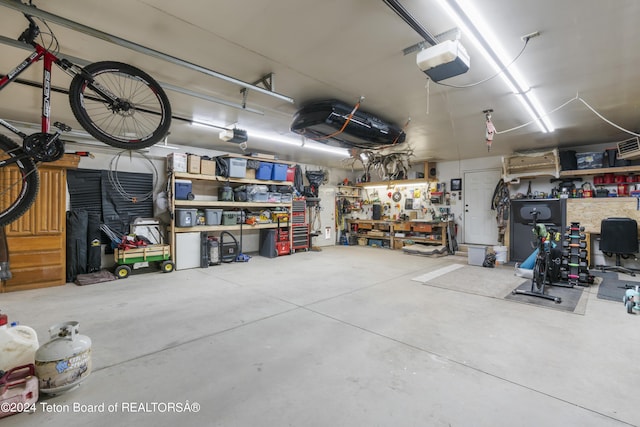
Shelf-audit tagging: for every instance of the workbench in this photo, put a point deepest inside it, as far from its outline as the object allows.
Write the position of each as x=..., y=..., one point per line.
x=394, y=234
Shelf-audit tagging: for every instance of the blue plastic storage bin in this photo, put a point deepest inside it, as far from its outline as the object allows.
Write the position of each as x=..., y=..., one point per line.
x=264, y=171
x=183, y=189
x=279, y=172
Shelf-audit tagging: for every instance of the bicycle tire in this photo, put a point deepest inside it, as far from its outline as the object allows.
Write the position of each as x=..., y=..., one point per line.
x=19, y=182
x=144, y=118
x=539, y=276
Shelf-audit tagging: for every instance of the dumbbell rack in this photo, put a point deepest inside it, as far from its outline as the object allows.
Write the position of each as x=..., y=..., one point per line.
x=573, y=268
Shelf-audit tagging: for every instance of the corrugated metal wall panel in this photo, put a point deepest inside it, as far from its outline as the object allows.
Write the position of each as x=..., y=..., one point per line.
x=93, y=191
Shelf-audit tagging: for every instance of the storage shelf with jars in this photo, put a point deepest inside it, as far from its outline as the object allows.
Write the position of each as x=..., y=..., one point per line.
x=617, y=181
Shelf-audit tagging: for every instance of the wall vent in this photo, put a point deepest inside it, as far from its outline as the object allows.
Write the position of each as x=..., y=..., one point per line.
x=629, y=148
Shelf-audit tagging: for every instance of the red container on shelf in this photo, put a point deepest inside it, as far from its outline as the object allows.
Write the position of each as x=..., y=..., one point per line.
x=598, y=179
x=622, y=190
x=619, y=179
x=631, y=178
x=608, y=178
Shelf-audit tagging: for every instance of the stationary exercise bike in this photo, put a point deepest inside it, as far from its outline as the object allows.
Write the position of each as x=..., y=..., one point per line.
x=545, y=238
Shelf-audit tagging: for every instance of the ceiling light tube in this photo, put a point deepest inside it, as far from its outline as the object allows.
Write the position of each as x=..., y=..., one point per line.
x=327, y=149
x=472, y=24
x=279, y=139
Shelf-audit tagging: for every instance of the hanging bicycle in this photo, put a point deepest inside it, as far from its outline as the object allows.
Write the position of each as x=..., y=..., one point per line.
x=116, y=103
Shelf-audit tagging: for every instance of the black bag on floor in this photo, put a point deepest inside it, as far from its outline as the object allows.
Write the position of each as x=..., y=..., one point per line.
x=94, y=258
x=77, y=226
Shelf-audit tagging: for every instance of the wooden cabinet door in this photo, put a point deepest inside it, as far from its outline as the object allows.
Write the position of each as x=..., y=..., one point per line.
x=37, y=241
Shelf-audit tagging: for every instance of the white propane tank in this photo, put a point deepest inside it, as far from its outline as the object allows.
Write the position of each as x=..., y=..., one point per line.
x=18, y=345
x=64, y=361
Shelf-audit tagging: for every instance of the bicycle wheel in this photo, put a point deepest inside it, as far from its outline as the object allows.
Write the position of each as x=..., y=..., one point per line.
x=19, y=181
x=139, y=118
x=539, y=275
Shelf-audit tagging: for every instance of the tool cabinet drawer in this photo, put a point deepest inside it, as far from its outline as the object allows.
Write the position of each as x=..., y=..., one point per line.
x=422, y=228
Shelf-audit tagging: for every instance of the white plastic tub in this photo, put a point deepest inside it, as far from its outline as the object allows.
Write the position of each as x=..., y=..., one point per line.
x=476, y=255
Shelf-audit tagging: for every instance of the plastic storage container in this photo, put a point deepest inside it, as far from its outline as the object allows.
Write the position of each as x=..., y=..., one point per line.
x=18, y=345
x=291, y=174
x=279, y=172
x=18, y=390
x=213, y=216
x=590, y=160
x=257, y=193
x=186, y=217
x=264, y=171
x=183, y=189
x=234, y=167
x=230, y=218
x=501, y=254
x=237, y=168
x=476, y=254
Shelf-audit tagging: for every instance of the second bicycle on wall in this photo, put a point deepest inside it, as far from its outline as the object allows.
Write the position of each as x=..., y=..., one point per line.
x=116, y=103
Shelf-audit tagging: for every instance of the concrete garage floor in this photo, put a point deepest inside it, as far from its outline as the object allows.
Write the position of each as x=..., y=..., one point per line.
x=342, y=337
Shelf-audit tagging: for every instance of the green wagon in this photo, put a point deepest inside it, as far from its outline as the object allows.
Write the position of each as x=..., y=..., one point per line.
x=129, y=258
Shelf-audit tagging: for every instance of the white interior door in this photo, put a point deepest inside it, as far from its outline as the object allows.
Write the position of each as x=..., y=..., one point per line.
x=480, y=225
x=327, y=223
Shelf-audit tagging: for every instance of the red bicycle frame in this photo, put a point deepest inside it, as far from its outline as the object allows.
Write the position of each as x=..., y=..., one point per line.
x=49, y=60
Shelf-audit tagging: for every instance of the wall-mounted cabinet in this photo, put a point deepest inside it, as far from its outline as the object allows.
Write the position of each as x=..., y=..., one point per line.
x=546, y=163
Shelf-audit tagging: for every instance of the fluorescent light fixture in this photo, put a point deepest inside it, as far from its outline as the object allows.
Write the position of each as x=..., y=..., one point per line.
x=327, y=148
x=476, y=29
x=277, y=138
x=301, y=143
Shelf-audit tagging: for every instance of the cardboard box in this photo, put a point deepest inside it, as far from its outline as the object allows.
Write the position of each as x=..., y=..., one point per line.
x=177, y=162
x=207, y=167
x=193, y=163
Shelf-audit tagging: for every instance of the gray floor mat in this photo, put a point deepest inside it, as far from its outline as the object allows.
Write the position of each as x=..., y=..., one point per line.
x=569, y=297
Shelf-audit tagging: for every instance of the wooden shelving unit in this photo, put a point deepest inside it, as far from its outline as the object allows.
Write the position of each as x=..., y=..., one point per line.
x=217, y=204
x=600, y=171
x=222, y=179
x=215, y=181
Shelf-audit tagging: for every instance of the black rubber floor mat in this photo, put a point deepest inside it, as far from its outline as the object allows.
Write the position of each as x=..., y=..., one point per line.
x=612, y=287
x=569, y=297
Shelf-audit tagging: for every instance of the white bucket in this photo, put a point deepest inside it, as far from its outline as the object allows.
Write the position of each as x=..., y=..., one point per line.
x=18, y=345
x=501, y=254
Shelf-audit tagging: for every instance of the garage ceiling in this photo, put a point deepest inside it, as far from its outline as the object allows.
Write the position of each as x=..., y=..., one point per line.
x=348, y=49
